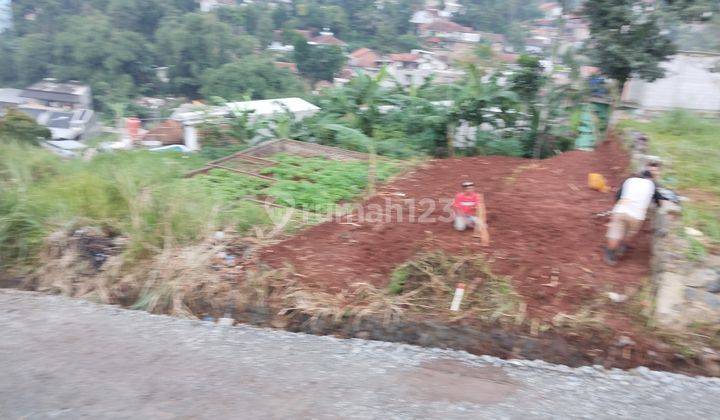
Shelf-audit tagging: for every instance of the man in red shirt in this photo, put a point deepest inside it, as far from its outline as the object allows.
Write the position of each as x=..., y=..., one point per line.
x=469, y=209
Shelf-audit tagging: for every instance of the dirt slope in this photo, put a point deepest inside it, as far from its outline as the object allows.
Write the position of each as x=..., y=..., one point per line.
x=541, y=221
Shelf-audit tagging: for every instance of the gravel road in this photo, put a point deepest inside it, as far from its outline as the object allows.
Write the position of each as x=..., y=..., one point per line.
x=65, y=358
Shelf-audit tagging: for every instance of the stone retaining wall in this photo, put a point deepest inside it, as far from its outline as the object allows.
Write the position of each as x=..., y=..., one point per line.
x=688, y=290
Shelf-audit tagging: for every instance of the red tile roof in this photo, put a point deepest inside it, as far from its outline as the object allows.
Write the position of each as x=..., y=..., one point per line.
x=548, y=6
x=405, y=57
x=446, y=26
x=327, y=40
x=508, y=58
x=167, y=132
x=364, y=57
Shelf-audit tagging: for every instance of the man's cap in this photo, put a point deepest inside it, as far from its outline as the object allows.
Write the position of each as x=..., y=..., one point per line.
x=467, y=184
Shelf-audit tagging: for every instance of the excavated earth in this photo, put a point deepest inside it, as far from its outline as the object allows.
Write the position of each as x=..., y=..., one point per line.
x=542, y=220
x=546, y=235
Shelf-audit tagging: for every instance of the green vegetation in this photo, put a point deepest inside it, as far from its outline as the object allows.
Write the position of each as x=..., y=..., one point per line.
x=308, y=183
x=138, y=194
x=690, y=144
x=18, y=126
x=318, y=62
x=252, y=78
x=497, y=16
x=626, y=43
x=143, y=196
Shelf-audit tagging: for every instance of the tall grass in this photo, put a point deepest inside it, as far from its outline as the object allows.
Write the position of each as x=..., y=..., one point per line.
x=140, y=195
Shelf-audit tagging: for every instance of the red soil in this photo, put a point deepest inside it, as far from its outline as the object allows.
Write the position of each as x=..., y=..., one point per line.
x=541, y=222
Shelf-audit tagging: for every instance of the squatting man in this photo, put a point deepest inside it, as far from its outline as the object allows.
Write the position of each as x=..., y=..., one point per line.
x=628, y=215
x=469, y=212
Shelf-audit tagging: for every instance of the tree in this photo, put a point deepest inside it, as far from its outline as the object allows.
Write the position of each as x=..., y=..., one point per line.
x=17, y=126
x=693, y=10
x=264, y=29
x=8, y=70
x=193, y=44
x=626, y=41
x=527, y=82
x=496, y=16
x=318, y=62
x=358, y=136
x=481, y=102
x=253, y=77
x=141, y=16
x=33, y=57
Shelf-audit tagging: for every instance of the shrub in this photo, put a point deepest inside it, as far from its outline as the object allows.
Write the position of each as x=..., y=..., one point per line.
x=20, y=127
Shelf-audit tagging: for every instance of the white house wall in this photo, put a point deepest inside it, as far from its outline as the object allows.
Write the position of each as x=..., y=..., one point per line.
x=689, y=84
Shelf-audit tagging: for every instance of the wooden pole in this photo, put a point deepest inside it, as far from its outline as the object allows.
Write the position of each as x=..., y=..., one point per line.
x=481, y=227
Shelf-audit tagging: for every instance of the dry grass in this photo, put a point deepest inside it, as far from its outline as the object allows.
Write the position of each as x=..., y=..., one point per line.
x=429, y=281
x=194, y=281
x=362, y=301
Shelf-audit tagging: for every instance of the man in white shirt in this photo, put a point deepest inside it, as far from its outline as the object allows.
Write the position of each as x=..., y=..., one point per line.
x=628, y=215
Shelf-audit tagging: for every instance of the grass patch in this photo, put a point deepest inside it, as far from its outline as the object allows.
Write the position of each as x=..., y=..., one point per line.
x=397, y=279
x=690, y=143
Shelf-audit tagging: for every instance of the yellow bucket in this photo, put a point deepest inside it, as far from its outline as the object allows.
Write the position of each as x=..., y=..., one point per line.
x=597, y=182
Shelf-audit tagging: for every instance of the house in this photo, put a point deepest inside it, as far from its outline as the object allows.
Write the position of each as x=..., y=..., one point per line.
x=577, y=30
x=51, y=93
x=63, y=124
x=10, y=98
x=448, y=30
x=166, y=133
x=277, y=46
x=536, y=45
x=692, y=82
x=497, y=41
x=190, y=115
x=364, y=58
x=210, y=5
x=6, y=17
x=414, y=68
x=423, y=17
x=452, y=8
x=551, y=10
x=347, y=74
x=326, y=38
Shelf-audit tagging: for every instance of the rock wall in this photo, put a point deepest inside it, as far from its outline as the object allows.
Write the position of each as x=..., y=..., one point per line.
x=688, y=289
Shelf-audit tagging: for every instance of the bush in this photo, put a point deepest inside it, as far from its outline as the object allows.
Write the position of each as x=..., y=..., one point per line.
x=20, y=127
x=491, y=144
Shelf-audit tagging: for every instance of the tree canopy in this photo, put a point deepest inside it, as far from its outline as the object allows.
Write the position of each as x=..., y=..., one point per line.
x=626, y=40
x=252, y=77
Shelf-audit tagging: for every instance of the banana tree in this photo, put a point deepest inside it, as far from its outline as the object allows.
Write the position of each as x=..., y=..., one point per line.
x=481, y=102
x=358, y=136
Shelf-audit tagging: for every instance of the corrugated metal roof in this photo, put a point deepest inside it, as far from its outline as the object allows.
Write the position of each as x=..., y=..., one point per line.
x=272, y=106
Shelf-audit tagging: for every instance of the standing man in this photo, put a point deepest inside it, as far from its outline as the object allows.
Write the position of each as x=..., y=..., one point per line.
x=469, y=209
x=628, y=215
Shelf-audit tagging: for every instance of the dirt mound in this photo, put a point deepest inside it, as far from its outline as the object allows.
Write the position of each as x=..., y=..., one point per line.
x=542, y=224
